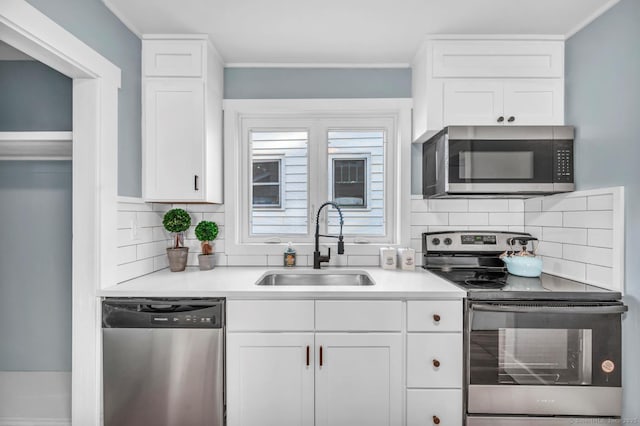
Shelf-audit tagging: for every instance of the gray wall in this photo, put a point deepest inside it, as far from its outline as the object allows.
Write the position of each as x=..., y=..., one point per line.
x=35, y=266
x=34, y=97
x=94, y=24
x=301, y=83
x=603, y=102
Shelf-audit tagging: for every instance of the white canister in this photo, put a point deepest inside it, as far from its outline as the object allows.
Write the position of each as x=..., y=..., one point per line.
x=388, y=258
x=407, y=258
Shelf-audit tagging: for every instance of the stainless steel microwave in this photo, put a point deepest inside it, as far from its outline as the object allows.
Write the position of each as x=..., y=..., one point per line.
x=507, y=161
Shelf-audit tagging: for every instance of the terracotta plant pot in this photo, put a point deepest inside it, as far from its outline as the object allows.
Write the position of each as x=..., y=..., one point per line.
x=177, y=258
x=206, y=261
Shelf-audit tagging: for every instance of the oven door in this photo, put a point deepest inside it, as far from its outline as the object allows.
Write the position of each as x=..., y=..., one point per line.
x=555, y=358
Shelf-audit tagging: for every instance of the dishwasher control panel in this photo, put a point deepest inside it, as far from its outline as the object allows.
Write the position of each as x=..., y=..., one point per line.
x=163, y=313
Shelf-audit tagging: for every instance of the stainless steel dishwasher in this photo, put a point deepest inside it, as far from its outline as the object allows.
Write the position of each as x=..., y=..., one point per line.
x=163, y=362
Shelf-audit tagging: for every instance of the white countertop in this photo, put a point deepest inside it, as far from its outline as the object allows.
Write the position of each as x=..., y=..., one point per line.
x=236, y=282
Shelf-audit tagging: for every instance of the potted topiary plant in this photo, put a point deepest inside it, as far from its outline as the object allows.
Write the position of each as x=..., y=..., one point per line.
x=177, y=221
x=206, y=232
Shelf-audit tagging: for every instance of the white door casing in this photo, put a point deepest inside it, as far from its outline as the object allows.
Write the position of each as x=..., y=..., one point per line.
x=95, y=125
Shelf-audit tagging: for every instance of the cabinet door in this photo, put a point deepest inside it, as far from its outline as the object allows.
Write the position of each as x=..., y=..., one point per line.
x=174, y=140
x=472, y=102
x=531, y=102
x=358, y=381
x=269, y=382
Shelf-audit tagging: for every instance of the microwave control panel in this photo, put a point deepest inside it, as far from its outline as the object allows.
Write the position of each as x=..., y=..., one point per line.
x=563, y=161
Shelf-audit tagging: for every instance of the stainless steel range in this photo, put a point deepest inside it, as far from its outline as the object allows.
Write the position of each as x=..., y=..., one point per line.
x=543, y=350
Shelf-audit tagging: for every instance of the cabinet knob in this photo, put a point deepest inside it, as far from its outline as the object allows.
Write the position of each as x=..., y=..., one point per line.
x=436, y=318
x=500, y=119
x=436, y=420
x=511, y=119
x=436, y=363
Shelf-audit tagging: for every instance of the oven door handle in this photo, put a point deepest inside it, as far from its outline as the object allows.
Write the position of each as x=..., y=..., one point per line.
x=615, y=309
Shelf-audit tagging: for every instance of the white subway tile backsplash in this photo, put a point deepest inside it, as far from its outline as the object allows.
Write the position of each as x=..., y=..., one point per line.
x=599, y=274
x=428, y=219
x=217, y=217
x=601, y=238
x=488, y=205
x=564, y=235
x=516, y=205
x=563, y=203
x=543, y=218
x=126, y=254
x=419, y=206
x=533, y=205
x=546, y=248
x=149, y=219
x=600, y=202
x=136, y=269
x=448, y=205
x=127, y=237
x=469, y=219
x=506, y=219
x=565, y=268
x=590, y=219
x=592, y=255
x=363, y=260
x=535, y=231
x=153, y=249
x=126, y=220
x=416, y=231
x=160, y=262
x=247, y=260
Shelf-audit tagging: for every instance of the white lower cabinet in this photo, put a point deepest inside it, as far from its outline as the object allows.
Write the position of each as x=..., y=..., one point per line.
x=269, y=382
x=441, y=407
x=359, y=381
x=338, y=378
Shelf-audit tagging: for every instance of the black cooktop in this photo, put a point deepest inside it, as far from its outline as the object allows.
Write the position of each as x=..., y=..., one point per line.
x=498, y=284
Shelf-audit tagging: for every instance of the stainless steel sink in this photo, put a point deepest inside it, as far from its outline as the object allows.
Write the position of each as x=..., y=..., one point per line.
x=315, y=278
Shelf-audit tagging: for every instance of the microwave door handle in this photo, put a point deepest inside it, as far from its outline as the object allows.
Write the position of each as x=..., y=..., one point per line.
x=617, y=309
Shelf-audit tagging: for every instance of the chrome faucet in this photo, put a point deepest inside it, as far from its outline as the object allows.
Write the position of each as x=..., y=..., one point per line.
x=317, y=257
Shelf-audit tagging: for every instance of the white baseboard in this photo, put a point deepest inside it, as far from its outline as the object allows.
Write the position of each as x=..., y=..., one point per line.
x=33, y=422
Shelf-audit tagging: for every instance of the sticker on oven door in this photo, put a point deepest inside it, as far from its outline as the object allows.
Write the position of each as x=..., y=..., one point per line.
x=607, y=366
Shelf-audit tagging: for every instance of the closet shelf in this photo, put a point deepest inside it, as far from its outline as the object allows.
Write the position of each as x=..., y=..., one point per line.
x=24, y=146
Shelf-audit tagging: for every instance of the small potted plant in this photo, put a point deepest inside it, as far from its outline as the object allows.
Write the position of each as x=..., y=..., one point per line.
x=206, y=232
x=177, y=221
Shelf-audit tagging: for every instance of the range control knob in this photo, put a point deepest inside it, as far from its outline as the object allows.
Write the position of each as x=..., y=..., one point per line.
x=435, y=241
x=448, y=241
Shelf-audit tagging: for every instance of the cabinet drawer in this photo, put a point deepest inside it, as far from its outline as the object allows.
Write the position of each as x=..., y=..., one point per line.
x=173, y=58
x=498, y=58
x=434, y=315
x=442, y=407
x=434, y=360
x=270, y=315
x=360, y=315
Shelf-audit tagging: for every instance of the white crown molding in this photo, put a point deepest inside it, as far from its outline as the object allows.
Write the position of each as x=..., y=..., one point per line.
x=9, y=53
x=315, y=65
x=595, y=15
x=121, y=16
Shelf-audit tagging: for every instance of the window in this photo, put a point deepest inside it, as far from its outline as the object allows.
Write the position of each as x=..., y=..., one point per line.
x=350, y=183
x=266, y=183
x=290, y=156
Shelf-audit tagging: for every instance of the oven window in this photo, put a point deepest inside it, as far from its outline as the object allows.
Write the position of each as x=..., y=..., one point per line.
x=529, y=356
x=496, y=165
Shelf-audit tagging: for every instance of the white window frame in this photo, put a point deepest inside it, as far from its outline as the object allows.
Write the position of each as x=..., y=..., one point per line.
x=337, y=114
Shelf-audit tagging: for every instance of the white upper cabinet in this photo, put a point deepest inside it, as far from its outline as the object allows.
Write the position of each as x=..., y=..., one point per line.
x=487, y=81
x=182, y=120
